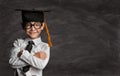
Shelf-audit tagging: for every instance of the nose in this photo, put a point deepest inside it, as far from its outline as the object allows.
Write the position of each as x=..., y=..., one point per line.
x=32, y=28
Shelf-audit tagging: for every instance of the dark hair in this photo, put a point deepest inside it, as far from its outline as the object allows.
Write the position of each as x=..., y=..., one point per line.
x=23, y=25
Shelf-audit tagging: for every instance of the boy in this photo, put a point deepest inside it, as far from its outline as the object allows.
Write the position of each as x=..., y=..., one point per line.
x=29, y=56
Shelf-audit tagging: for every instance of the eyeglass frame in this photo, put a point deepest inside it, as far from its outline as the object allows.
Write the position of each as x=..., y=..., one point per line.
x=30, y=25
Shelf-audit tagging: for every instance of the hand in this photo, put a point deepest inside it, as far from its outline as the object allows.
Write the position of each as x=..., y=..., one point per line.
x=42, y=55
x=19, y=53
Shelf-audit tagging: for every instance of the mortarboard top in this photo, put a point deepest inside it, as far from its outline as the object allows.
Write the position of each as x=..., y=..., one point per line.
x=36, y=14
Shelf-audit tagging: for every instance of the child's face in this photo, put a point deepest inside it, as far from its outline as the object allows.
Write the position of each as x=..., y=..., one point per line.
x=33, y=29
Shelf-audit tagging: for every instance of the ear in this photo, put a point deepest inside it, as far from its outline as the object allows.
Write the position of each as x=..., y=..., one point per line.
x=43, y=25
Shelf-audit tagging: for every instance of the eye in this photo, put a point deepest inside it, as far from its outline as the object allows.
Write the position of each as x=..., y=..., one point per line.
x=37, y=25
x=28, y=25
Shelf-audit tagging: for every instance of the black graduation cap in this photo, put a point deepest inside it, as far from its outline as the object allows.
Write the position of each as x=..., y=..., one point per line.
x=36, y=14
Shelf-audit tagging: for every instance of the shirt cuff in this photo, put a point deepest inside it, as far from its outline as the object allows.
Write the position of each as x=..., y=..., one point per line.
x=25, y=54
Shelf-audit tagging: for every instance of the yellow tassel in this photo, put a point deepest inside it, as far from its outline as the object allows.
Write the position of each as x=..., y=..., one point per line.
x=48, y=34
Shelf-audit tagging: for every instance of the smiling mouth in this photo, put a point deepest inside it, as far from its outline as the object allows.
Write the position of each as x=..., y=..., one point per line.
x=33, y=32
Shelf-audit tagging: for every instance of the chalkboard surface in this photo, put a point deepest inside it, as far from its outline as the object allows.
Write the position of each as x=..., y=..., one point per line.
x=85, y=35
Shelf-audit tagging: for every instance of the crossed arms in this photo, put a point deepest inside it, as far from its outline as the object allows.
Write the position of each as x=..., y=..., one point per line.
x=19, y=59
x=42, y=55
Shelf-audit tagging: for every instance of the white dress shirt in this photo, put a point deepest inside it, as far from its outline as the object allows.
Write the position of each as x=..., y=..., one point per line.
x=37, y=64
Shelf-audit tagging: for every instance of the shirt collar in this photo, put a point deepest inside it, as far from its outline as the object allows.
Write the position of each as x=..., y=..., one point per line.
x=36, y=41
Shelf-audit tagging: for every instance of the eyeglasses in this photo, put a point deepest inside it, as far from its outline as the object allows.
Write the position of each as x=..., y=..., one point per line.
x=36, y=25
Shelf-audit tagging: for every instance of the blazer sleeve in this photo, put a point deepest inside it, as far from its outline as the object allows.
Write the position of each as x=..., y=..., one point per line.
x=34, y=61
x=15, y=61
